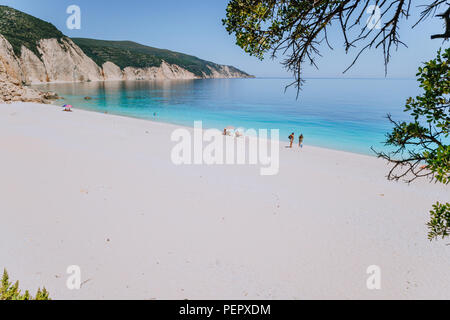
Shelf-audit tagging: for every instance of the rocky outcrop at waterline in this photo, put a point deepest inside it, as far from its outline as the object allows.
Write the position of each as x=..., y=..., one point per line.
x=12, y=90
x=11, y=87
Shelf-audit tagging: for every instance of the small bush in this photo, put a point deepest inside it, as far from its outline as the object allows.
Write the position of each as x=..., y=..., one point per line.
x=8, y=291
x=439, y=225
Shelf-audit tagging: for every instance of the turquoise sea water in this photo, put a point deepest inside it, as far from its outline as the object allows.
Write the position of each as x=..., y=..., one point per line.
x=342, y=114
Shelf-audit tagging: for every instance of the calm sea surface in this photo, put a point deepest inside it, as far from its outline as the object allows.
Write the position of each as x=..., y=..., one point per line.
x=343, y=114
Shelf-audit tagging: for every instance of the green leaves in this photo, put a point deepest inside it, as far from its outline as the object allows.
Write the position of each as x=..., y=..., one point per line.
x=433, y=105
x=246, y=19
x=425, y=140
x=298, y=29
x=12, y=292
x=440, y=221
x=439, y=163
x=433, y=108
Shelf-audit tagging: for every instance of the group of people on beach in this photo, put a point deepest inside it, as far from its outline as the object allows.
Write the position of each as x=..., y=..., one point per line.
x=231, y=131
x=292, y=138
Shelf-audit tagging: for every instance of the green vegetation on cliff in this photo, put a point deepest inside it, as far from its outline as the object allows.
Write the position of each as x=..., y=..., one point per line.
x=131, y=54
x=20, y=29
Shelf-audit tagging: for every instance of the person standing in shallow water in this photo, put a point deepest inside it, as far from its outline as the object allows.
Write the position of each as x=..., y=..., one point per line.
x=300, y=141
x=291, y=139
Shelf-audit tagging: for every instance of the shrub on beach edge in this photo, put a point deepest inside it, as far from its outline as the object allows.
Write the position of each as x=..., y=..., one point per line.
x=8, y=291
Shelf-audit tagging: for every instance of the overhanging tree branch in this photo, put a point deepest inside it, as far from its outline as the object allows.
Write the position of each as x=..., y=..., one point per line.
x=297, y=28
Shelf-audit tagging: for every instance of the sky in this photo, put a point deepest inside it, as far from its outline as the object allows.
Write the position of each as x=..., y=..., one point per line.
x=195, y=27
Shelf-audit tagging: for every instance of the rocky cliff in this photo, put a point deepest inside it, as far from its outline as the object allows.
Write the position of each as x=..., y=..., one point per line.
x=12, y=90
x=137, y=61
x=11, y=85
x=61, y=60
x=46, y=55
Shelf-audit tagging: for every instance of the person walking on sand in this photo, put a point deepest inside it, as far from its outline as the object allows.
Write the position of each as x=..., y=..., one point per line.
x=300, y=141
x=291, y=139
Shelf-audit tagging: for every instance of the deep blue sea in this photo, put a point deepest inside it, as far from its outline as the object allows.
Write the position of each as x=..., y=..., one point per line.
x=342, y=114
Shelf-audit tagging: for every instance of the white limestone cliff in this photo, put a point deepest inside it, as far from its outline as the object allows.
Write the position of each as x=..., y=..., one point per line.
x=223, y=72
x=63, y=61
x=12, y=90
x=10, y=64
x=112, y=71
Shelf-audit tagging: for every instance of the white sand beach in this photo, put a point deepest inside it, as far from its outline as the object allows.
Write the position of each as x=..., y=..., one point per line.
x=101, y=192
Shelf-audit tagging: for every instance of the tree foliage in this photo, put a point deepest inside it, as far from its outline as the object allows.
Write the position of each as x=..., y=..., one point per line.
x=439, y=224
x=421, y=146
x=9, y=291
x=297, y=28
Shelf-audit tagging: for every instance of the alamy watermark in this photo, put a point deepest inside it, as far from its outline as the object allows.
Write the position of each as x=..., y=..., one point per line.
x=374, y=280
x=74, y=20
x=213, y=147
x=74, y=280
x=374, y=20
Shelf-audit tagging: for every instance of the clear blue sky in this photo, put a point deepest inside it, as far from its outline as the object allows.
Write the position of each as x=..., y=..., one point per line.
x=195, y=27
